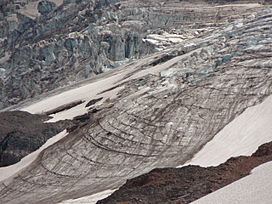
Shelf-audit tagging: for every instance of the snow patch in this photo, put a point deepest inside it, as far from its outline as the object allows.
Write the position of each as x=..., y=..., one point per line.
x=85, y=93
x=89, y=199
x=165, y=39
x=81, y=109
x=252, y=189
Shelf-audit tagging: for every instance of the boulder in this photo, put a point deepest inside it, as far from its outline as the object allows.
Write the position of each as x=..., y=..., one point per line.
x=45, y=7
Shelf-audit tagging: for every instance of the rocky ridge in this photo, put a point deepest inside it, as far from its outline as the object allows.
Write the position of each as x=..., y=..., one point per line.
x=187, y=184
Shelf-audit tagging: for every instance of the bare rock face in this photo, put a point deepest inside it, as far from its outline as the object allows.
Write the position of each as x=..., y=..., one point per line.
x=45, y=7
x=22, y=133
x=170, y=105
x=49, y=44
x=189, y=183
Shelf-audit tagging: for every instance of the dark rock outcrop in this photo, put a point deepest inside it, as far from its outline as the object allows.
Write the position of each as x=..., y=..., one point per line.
x=22, y=133
x=45, y=7
x=186, y=184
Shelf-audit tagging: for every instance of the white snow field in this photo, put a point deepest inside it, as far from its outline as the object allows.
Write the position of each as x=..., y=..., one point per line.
x=242, y=136
x=13, y=170
x=253, y=189
x=86, y=93
x=89, y=199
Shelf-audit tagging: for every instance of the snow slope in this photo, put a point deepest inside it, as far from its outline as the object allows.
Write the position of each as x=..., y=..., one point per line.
x=89, y=199
x=85, y=93
x=252, y=189
x=242, y=136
